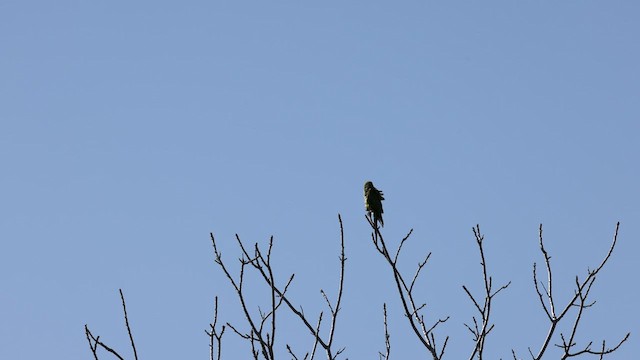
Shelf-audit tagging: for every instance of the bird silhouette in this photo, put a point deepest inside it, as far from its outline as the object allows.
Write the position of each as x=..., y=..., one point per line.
x=373, y=202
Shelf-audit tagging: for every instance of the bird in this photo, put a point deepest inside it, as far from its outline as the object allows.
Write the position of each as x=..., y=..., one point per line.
x=373, y=202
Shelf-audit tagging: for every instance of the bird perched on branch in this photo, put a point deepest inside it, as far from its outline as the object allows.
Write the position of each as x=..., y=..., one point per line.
x=373, y=202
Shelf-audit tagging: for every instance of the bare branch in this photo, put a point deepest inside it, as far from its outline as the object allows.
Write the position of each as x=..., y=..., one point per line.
x=438, y=322
x=395, y=259
x=126, y=320
x=547, y=261
x=334, y=313
x=93, y=346
x=215, y=337
x=472, y=298
x=291, y=352
x=387, y=342
x=581, y=294
x=262, y=264
x=542, y=302
x=266, y=346
x=420, y=266
x=96, y=342
x=416, y=321
x=480, y=332
x=317, y=338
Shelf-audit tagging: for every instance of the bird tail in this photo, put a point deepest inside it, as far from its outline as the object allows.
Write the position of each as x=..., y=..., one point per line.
x=378, y=218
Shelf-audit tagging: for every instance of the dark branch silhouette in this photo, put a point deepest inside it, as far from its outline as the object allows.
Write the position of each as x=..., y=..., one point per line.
x=260, y=327
x=95, y=343
x=387, y=342
x=265, y=339
x=579, y=301
x=215, y=336
x=411, y=310
x=481, y=331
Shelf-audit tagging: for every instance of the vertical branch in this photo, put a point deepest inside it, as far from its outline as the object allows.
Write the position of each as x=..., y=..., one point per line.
x=273, y=298
x=317, y=337
x=480, y=333
x=215, y=337
x=343, y=259
x=387, y=343
x=547, y=261
x=126, y=320
x=550, y=310
x=334, y=310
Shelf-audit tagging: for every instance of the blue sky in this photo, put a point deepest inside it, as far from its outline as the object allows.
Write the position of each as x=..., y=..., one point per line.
x=130, y=130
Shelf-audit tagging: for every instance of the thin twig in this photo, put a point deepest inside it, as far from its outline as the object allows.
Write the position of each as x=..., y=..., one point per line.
x=215, y=335
x=97, y=342
x=387, y=342
x=126, y=320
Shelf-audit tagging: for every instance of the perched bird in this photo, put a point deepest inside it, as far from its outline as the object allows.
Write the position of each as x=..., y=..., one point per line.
x=373, y=202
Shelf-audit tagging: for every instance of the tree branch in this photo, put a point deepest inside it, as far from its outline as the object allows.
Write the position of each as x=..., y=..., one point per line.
x=581, y=294
x=412, y=312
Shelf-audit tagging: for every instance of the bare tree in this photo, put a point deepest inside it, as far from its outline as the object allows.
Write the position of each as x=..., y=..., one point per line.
x=259, y=327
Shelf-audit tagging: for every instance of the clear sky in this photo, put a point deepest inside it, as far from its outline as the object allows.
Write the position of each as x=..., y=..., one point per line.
x=129, y=130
